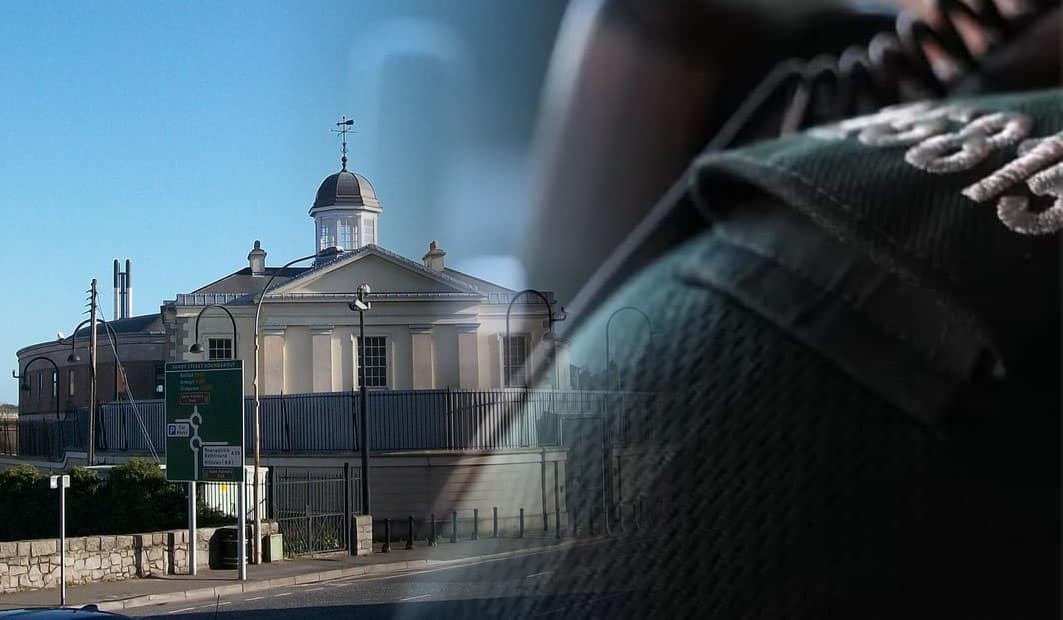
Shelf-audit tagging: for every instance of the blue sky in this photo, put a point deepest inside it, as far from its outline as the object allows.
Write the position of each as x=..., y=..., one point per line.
x=175, y=134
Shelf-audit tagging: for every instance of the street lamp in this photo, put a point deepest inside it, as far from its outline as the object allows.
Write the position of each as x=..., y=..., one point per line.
x=325, y=253
x=549, y=327
x=198, y=348
x=360, y=305
x=24, y=384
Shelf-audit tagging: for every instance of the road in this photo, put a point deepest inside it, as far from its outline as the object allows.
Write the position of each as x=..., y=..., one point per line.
x=553, y=584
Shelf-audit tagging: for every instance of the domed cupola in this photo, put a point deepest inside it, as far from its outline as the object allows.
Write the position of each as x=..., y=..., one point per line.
x=346, y=211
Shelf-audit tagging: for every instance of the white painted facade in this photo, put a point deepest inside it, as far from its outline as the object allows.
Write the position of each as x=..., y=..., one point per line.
x=439, y=328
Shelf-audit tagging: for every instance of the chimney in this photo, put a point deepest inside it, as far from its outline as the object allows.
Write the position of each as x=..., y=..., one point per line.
x=117, y=293
x=128, y=289
x=123, y=290
x=257, y=259
x=434, y=258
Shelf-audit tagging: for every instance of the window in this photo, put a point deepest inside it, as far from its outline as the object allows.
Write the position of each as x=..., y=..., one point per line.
x=55, y=384
x=70, y=381
x=370, y=232
x=515, y=354
x=325, y=236
x=219, y=348
x=346, y=237
x=376, y=361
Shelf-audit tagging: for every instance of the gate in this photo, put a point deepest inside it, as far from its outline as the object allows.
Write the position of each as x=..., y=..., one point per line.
x=312, y=507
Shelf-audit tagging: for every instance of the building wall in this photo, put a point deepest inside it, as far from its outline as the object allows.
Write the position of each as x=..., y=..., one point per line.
x=140, y=355
x=309, y=346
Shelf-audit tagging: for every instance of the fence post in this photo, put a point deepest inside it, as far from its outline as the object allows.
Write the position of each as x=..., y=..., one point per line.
x=387, y=536
x=476, y=524
x=494, y=533
x=409, y=541
x=432, y=532
x=351, y=548
x=521, y=523
x=557, y=503
x=450, y=420
x=454, y=526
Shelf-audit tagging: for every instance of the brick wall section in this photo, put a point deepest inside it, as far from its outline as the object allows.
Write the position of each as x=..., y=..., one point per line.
x=34, y=564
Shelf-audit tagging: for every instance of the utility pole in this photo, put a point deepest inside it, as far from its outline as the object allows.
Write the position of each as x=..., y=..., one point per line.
x=92, y=373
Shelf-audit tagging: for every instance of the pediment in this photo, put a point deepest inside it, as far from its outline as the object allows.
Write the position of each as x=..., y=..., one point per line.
x=383, y=271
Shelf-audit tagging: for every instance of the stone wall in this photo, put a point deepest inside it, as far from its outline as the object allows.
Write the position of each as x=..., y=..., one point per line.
x=34, y=564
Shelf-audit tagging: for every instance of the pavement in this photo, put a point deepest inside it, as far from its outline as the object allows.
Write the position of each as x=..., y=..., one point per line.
x=212, y=584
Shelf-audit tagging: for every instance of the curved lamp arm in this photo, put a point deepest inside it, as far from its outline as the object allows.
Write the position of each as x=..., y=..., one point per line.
x=196, y=347
x=549, y=321
x=25, y=386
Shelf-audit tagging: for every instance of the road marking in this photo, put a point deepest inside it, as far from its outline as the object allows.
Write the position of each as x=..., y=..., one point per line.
x=223, y=603
x=315, y=589
x=545, y=572
x=177, y=611
x=413, y=598
x=283, y=594
x=362, y=578
x=254, y=598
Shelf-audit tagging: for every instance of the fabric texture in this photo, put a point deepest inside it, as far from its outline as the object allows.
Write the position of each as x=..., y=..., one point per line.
x=787, y=476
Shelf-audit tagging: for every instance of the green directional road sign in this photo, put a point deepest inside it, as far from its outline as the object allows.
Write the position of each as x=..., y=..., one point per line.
x=205, y=421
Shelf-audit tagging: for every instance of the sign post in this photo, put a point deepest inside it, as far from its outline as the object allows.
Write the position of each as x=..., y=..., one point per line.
x=62, y=483
x=205, y=435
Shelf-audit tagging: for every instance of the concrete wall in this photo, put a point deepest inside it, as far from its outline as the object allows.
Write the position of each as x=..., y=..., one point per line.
x=34, y=564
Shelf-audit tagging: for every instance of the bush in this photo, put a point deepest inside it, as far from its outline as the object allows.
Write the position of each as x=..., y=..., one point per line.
x=28, y=508
x=136, y=497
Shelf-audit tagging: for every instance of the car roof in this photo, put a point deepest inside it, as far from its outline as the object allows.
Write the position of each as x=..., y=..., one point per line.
x=87, y=612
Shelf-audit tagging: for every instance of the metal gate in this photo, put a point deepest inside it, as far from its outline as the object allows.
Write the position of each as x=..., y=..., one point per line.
x=313, y=507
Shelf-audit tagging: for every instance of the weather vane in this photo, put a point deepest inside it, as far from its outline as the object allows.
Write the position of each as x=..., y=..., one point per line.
x=344, y=125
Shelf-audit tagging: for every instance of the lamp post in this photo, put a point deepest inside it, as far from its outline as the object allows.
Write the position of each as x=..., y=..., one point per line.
x=25, y=385
x=605, y=441
x=360, y=305
x=192, y=534
x=325, y=253
x=549, y=326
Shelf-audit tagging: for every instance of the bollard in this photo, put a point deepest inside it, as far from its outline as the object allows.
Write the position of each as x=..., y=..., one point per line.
x=521, y=523
x=432, y=533
x=387, y=536
x=476, y=524
x=494, y=533
x=454, y=526
x=409, y=541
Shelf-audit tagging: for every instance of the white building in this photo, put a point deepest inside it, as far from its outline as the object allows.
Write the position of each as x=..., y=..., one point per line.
x=429, y=326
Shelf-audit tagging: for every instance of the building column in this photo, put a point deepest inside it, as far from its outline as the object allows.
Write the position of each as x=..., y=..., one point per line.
x=321, y=347
x=423, y=367
x=272, y=361
x=468, y=358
